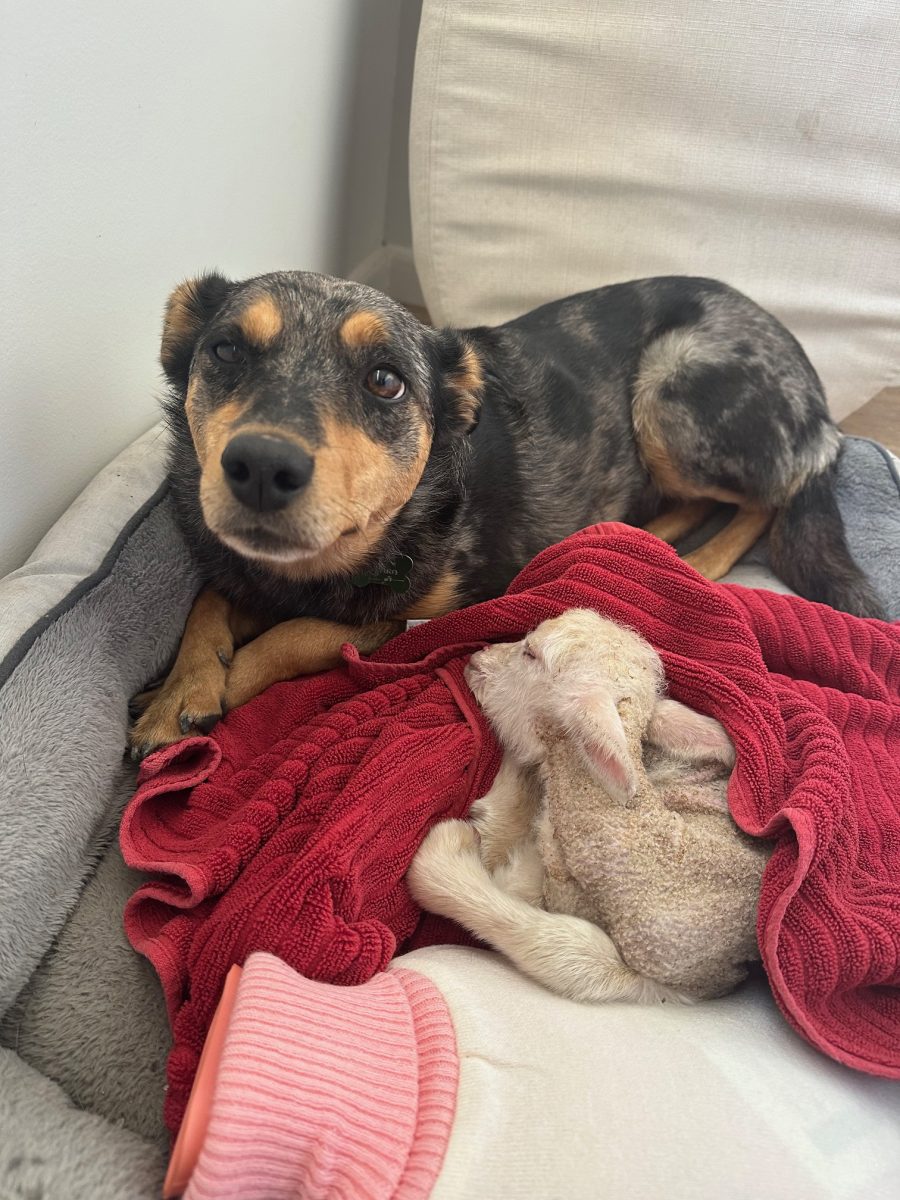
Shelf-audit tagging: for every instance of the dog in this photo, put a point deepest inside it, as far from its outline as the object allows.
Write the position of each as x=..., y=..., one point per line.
x=338, y=467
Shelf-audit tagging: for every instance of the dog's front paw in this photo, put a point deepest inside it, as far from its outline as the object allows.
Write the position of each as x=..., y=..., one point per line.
x=184, y=705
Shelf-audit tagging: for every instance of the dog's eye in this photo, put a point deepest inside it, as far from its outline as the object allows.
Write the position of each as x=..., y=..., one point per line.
x=227, y=352
x=527, y=652
x=385, y=383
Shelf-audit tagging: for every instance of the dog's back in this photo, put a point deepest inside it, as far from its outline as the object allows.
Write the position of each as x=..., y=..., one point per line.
x=673, y=388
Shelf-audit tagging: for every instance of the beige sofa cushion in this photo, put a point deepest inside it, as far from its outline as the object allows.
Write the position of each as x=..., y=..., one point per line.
x=559, y=146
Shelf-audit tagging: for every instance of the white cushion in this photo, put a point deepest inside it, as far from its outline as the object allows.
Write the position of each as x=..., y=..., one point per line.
x=556, y=147
x=722, y=1099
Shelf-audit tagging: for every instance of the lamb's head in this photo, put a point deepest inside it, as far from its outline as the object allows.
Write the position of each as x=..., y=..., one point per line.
x=576, y=676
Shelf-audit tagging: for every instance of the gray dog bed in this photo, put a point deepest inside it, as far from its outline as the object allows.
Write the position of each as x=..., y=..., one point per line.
x=95, y=613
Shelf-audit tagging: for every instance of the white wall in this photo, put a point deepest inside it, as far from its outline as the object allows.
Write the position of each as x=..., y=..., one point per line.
x=138, y=144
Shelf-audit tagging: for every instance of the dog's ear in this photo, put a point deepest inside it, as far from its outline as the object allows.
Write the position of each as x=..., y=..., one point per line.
x=188, y=310
x=462, y=380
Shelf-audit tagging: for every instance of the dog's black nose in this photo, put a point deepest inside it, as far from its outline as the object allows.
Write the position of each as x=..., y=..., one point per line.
x=264, y=472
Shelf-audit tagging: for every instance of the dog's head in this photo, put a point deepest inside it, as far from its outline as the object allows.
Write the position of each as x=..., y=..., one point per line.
x=313, y=405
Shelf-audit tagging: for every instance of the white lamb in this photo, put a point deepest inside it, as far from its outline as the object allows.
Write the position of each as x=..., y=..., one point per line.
x=604, y=861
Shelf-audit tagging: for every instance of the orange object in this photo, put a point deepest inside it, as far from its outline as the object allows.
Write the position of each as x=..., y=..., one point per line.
x=196, y=1116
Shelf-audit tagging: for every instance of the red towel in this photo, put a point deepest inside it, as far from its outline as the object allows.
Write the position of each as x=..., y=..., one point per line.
x=291, y=827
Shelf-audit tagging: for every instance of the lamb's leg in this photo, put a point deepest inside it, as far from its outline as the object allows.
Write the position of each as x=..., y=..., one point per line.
x=522, y=874
x=689, y=735
x=566, y=954
x=505, y=815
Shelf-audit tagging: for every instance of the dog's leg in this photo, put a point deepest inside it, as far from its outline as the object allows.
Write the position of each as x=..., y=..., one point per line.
x=298, y=647
x=566, y=954
x=721, y=552
x=681, y=520
x=191, y=697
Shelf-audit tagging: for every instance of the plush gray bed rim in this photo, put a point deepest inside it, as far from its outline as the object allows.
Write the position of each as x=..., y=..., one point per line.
x=30, y=636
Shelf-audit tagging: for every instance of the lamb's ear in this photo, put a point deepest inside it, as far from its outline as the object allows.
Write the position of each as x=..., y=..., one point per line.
x=462, y=380
x=689, y=735
x=599, y=734
x=188, y=310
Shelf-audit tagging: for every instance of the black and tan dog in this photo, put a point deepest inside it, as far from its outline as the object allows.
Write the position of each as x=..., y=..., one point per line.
x=338, y=467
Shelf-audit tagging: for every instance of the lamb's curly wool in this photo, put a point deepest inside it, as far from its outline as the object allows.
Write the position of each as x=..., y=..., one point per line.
x=664, y=869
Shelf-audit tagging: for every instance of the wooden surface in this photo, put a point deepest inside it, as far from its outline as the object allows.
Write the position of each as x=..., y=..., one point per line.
x=879, y=419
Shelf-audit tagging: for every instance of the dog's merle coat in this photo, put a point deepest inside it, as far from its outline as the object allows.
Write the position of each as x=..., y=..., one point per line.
x=590, y=408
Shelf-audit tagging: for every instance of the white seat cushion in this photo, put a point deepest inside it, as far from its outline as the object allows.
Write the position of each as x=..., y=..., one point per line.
x=624, y=1102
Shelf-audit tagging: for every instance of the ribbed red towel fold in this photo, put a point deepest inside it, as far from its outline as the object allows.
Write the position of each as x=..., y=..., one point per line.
x=309, y=802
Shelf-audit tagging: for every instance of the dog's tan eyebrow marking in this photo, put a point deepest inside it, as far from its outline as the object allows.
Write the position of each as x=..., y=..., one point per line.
x=261, y=322
x=363, y=328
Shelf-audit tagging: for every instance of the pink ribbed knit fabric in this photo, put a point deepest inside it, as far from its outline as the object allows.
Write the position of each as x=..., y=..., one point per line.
x=328, y=1092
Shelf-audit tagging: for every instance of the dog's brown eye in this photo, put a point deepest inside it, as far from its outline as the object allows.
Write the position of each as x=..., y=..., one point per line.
x=227, y=352
x=385, y=383
x=527, y=652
